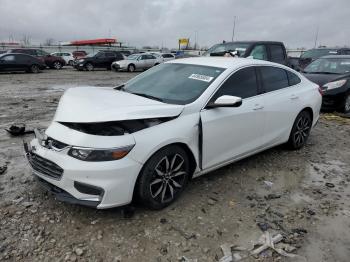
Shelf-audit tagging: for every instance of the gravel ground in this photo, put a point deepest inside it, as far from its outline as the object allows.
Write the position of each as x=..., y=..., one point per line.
x=307, y=200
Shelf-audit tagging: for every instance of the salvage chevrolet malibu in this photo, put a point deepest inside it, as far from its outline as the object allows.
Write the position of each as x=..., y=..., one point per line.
x=147, y=138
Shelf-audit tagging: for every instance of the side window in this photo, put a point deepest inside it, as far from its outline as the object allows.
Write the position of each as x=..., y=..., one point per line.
x=9, y=58
x=277, y=53
x=143, y=57
x=110, y=54
x=273, y=78
x=293, y=78
x=242, y=84
x=259, y=52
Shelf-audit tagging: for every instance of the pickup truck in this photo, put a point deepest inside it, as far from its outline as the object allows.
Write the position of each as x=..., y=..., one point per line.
x=264, y=50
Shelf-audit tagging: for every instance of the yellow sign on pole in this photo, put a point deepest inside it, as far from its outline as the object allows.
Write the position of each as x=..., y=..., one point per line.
x=183, y=43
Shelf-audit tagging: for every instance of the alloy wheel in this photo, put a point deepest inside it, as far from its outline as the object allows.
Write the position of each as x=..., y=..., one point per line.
x=34, y=69
x=302, y=130
x=168, y=178
x=89, y=67
x=57, y=65
x=347, y=104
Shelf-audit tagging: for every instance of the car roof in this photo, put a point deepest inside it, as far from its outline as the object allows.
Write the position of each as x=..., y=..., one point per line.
x=254, y=42
x=336, y=56
x=223, y=62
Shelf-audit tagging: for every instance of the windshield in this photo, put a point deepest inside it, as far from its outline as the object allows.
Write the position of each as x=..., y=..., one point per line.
x=329, y=65
x=218, y=48
x=174, y=83
x=133, y=57
x=317, y=53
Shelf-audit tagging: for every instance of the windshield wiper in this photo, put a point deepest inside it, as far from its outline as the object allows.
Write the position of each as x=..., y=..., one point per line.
x=120, y=87
x=148, y=96
x=326, y=73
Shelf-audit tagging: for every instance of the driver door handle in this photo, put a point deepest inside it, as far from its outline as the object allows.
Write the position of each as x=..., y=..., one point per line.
x=293, y=97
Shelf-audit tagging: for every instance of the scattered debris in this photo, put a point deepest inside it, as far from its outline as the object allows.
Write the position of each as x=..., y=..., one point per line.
x=266, y=241
x=330, y=185
x=269, y=184
x=263, y=226
x=3, y=169
x=340, y=118
x=18, y=130
x=185, y=259
x=272, y=196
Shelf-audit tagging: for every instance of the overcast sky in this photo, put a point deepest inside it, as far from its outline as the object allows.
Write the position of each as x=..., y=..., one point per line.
x=157, y=22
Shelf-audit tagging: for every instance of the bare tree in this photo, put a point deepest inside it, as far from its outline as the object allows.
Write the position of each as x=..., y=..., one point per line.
x=25, y=40
x=49, y=41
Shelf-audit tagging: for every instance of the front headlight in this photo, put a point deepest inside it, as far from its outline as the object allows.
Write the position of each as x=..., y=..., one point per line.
x=95, y=155
x=81, y=60
x=333, y=85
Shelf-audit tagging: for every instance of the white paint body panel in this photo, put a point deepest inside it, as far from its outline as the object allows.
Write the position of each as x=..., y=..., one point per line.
x=229, y=134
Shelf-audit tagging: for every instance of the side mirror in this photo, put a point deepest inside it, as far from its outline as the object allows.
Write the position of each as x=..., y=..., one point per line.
x=226, y=101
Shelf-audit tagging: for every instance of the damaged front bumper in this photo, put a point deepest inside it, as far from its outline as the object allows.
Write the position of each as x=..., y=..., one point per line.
x=95, y=184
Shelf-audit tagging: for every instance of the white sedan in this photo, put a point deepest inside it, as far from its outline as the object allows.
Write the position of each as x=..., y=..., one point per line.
x=68, y=57
x=136, y=62
x=179, y=120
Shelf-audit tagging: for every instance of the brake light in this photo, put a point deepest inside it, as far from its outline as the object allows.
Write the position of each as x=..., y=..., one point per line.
x=320, y=91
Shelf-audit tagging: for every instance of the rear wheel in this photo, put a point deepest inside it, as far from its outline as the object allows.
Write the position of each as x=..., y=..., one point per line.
x=300, y=131
x=34, y=69
x=346, y=106
x=163, y=177
x=131, y=68
x=57, y=65
x=89, y=67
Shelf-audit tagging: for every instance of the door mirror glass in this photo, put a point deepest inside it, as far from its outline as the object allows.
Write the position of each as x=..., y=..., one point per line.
x=226, y=101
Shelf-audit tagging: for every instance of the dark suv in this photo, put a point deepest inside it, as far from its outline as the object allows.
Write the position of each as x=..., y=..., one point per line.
x=103, y=59
x=50, y=61
x=315, y=53
x=263, y=50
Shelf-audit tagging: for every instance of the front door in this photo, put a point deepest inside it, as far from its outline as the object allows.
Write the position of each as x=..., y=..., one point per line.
x=231, y=132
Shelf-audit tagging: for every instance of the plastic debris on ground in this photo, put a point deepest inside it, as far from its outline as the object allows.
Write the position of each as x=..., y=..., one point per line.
x=265, y=243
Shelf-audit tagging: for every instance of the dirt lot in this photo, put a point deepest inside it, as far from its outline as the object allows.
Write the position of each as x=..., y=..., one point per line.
x=307, y=201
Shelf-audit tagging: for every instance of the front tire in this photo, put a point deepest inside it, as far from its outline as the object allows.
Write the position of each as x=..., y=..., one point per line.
x=300, y=131
x=57, y=65
x=163, y=177
x=89, y=67
x=131, y=68
x=346, y=105
x=34, y=69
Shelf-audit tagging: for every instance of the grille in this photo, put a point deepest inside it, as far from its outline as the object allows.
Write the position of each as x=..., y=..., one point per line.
x=45, y=167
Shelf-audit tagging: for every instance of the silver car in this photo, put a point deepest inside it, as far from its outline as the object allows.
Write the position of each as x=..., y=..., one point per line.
x=136, y=62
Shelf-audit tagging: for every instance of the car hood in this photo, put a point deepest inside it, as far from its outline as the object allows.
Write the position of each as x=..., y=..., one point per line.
x=322, y=79
x=103, y=104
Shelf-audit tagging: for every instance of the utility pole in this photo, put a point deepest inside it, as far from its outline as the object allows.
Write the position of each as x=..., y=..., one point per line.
x=234, y=26
x=316, y=37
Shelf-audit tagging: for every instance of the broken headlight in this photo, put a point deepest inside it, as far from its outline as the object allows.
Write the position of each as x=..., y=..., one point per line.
x=95, y=155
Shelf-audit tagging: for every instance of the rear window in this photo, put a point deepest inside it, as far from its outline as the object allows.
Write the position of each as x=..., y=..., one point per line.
x=273, y=78
x=277, y=53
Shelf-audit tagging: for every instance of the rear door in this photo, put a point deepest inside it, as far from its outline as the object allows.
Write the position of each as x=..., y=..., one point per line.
x=277, y=54
x=8, y=63
x=231, y=132
x=282, y=100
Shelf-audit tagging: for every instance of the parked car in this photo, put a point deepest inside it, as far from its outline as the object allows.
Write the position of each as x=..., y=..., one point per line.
x=50, y=61
x=311, y=55
x=79, y=54
x=136, y=62
x=103, y=59
x=68, y=57
x=262, y=50
x=3, y=51
x=179, y=120
x=332, y=74
x=164, y=57
x=20, y=62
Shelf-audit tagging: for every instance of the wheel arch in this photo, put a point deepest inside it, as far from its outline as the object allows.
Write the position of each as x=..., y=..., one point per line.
x=185, y=147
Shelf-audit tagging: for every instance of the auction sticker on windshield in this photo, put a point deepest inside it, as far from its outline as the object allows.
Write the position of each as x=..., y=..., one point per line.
x=201, y=77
